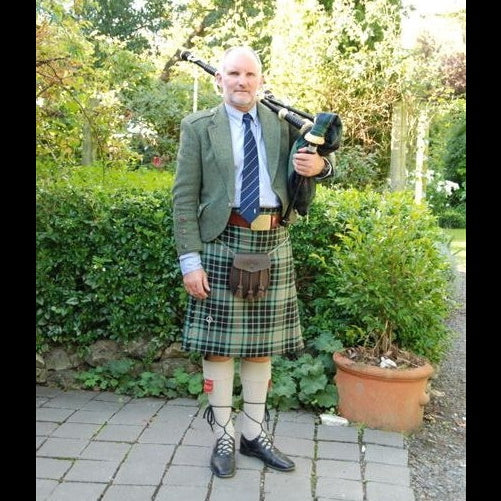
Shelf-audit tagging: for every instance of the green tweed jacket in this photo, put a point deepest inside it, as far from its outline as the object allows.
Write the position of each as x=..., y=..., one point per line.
x=204, y=187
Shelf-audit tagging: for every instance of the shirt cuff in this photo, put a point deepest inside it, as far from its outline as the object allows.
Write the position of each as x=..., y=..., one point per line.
x=326, y=172
x=190, y=262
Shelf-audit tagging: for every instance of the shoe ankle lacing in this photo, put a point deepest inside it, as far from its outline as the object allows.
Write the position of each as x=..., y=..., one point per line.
x=266, y=416
x=211, y=419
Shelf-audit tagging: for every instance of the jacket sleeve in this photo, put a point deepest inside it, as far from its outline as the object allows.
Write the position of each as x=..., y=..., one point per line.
x=186, y=191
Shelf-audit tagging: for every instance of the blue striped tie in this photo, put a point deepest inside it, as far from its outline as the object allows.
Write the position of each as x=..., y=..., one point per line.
x=249, y=195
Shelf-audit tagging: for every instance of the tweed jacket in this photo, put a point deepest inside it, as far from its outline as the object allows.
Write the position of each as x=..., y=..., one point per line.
x=204, y=187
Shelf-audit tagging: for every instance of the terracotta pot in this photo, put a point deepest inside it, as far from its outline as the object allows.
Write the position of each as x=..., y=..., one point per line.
x=380, y=398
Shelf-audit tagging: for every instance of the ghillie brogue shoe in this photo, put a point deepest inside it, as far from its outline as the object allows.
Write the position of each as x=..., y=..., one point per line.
x=263, y=448
x=222, y=461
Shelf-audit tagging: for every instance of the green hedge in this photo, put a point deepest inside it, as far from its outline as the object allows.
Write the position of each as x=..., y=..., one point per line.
x=106, y=266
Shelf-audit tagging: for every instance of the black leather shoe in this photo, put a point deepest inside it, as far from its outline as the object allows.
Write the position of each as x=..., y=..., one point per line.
x=222, y=461
x=262, y=448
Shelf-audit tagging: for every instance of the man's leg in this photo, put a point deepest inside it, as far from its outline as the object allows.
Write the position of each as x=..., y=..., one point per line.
x=218, y=384
x=255, y=375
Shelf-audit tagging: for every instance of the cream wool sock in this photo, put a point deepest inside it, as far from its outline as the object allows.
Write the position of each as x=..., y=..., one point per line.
x=255, y=377
x=218, y=384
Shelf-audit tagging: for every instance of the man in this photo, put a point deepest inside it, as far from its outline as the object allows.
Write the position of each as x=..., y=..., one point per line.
x=211, y=225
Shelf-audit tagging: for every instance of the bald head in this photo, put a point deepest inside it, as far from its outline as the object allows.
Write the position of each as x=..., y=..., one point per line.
x=238, y=52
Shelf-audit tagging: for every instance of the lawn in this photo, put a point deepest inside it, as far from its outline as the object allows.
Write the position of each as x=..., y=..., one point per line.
x=458, y=246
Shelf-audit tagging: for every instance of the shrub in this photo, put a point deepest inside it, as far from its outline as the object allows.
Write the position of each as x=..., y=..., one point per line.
x=380, y=270
x=106, y=266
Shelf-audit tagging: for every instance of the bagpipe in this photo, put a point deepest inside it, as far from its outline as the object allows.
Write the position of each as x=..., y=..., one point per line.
x=318, y=133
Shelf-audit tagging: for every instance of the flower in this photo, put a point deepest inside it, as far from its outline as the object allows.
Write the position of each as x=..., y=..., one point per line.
x=447, y=186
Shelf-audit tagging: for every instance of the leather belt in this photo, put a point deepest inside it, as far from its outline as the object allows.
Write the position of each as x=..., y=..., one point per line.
x=263, y=222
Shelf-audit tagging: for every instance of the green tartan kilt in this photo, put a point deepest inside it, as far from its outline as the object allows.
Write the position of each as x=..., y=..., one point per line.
x=225, y=325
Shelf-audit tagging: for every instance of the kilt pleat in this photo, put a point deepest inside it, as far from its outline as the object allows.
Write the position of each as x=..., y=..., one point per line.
x=225, y=325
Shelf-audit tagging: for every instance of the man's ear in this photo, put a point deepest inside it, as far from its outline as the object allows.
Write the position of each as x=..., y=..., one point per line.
x=218, y=86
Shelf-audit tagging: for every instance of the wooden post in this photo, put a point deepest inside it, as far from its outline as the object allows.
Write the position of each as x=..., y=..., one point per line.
x=398, y=171
x=421, y=143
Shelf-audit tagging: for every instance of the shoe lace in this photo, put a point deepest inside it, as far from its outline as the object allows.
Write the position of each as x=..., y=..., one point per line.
x=225, y=445
x=266, y=415
x=211, y=418
x=265, y=441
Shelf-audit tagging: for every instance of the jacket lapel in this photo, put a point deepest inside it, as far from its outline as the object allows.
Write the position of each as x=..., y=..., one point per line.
x=220, y=137
x=219, y=132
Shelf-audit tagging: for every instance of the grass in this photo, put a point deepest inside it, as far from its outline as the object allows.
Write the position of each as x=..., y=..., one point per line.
x=458, y=246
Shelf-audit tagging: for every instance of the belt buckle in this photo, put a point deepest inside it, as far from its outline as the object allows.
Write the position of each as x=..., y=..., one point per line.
x=261, y=223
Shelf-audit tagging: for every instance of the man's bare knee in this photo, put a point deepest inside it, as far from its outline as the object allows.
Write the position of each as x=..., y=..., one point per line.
x=257, y=359
x=216, y=358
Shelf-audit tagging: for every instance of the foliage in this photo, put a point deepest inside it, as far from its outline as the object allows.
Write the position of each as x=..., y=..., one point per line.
x=154, y=113
x=306, y=380
x=355, y=168
x=454, y=73
x=77, y=96
x=302, y=382
x=105, y=265
x=352, y=66
x=446, y=190
x=99, y=176
x=112, y=376
x=394, y=280
x=96, y=84
x=63, y=59
x=125, y=21
x=123, y=377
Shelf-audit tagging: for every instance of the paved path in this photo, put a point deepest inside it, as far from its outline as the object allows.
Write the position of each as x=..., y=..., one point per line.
x=102, y=446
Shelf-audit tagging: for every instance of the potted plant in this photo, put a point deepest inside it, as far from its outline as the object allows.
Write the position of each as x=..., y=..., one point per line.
x=394, y=289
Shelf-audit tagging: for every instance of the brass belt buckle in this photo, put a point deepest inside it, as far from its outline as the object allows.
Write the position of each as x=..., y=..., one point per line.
x=261, y=223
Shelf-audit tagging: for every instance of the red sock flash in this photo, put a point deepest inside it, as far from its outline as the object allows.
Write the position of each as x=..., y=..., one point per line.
x=208, y=385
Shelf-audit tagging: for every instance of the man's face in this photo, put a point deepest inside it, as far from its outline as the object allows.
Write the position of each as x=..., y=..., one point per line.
x=240, y=80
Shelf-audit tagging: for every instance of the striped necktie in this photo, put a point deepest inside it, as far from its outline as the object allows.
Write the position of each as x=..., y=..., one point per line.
x=249, y=195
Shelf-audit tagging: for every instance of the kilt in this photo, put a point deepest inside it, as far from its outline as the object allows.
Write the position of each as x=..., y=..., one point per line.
x=225, y=325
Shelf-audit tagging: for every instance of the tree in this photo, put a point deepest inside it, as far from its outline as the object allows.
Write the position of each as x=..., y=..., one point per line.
x=126, y=21
x=76, y=97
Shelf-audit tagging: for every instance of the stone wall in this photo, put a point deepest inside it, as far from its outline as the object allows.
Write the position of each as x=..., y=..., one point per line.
x=59, y=366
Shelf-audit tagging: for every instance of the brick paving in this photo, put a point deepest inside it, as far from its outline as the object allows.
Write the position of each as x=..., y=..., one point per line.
x=101, y=446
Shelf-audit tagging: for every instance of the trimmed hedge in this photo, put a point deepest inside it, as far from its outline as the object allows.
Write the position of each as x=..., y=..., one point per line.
x=106, y=266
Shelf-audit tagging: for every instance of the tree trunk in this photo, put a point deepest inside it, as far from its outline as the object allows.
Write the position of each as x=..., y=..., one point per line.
x=89, y=146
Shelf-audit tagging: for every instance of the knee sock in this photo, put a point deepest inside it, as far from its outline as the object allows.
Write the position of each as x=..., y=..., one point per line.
x=255, y=378
x=218, y=384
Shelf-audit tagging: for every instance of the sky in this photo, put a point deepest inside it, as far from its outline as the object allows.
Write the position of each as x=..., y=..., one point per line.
x=431, y=16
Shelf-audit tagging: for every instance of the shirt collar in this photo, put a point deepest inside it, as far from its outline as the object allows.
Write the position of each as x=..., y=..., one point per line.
x=237, y=114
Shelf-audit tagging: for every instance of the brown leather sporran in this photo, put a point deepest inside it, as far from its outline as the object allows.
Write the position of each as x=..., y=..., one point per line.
x=250, y=275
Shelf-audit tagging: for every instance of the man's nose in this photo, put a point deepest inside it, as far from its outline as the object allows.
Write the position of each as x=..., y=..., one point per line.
x=242, y=80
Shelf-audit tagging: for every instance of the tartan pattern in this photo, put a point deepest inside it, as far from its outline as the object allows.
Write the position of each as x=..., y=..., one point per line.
x=225, y=325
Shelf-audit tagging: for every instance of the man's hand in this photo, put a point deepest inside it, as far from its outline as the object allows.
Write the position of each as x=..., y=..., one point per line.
x=308, y=164
x=196, y=284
